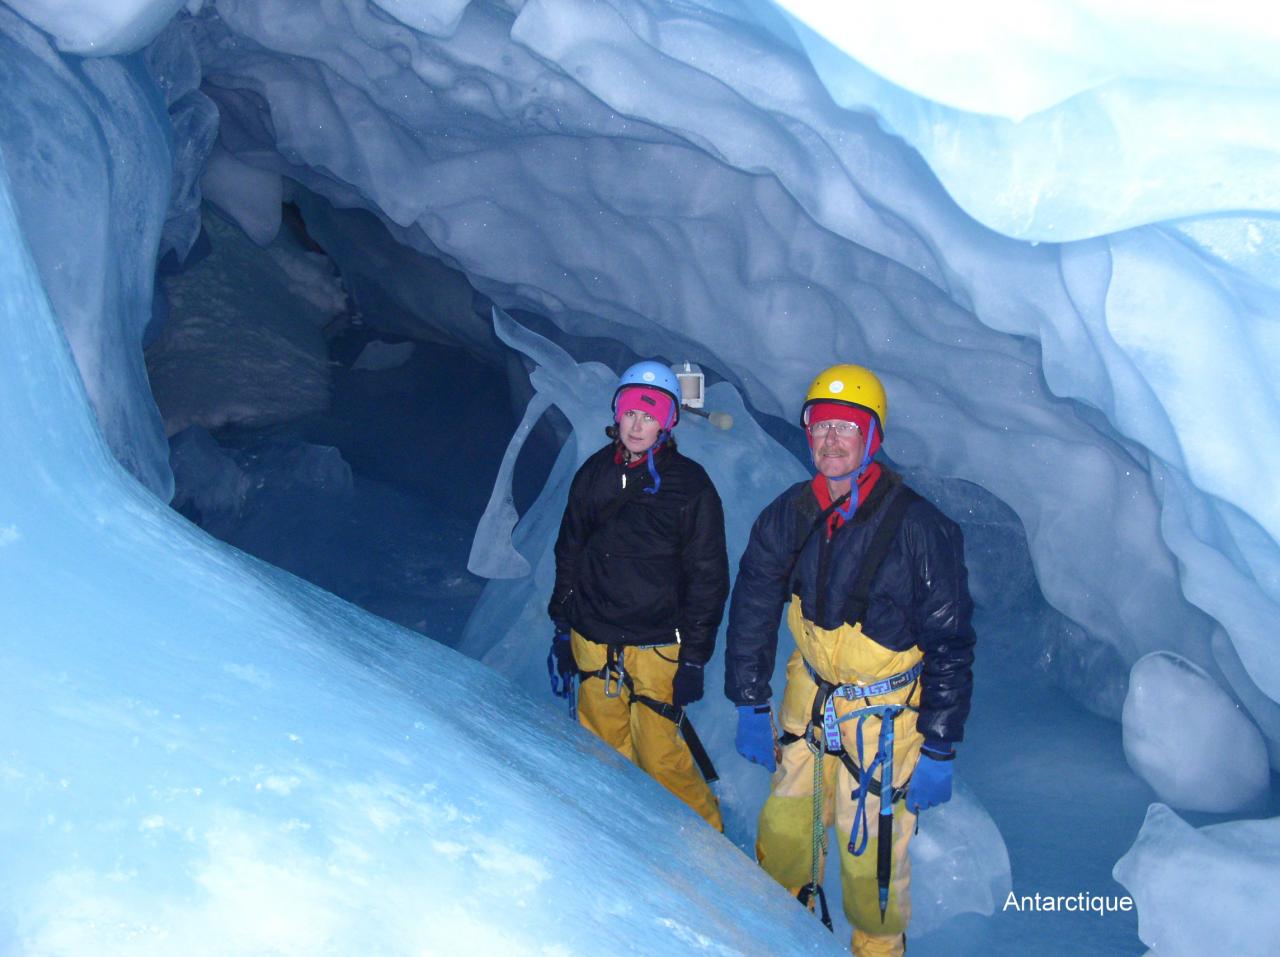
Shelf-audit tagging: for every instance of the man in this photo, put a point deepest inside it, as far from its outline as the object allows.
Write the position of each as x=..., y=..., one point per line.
x=641, y=581
x=880, y=681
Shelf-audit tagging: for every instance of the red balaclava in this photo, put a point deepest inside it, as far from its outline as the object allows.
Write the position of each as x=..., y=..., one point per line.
x=822, y=411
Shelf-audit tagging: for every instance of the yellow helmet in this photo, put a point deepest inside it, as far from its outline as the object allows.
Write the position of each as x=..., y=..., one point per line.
x=848, y=385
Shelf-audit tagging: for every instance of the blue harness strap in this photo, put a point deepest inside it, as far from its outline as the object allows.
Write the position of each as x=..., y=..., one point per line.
x=853, y=692
x=875, y=778
x=883, y=762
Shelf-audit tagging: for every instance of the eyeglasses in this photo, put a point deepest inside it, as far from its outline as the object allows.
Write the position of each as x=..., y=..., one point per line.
x=840, y=427
x=645, y=417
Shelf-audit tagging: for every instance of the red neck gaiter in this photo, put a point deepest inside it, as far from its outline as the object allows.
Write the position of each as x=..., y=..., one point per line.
x=866, y=482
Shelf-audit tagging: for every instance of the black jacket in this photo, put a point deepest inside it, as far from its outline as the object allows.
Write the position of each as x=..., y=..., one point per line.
x=920, y=596
x=658, y=564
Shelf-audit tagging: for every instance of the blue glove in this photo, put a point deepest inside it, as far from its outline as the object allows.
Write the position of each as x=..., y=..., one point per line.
x=931, y=780
x=561, y=667
x=686, y=686
x=755, y=735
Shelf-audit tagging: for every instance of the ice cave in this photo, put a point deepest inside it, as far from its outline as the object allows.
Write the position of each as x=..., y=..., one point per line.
x=311, y=310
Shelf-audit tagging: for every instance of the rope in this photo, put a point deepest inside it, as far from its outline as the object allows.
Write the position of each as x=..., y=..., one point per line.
x=811, y=894
x=819, y=825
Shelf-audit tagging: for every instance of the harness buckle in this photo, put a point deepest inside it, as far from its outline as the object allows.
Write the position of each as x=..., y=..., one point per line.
x=613, y=674
x=612, y=683
x=813, y=739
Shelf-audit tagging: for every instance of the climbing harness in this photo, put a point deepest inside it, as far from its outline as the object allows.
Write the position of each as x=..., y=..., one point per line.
x=615, y=678
x=822, y=737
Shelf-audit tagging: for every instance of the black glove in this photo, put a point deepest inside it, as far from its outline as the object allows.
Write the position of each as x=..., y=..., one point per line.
x=561, y=666
x=686, y=687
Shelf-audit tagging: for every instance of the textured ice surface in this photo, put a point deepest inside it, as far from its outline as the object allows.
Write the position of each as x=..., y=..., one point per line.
x=959, y=863
x=245, y=343
x=101, y=27
x=379, y=356
x=1189, y=740
x=1264, y=711
x=174, y=64
x=779, y=230
x=1206, y=890
x=250, y=197
x=1000, y=97
x=89, y=158
x=685, y=180
x=493, y=555
x=204, y=754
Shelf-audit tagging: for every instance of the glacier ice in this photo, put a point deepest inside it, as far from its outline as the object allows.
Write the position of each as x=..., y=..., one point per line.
x=999, y=97
x=87, y=147
x=245, y=344
x=959, y=864
x=891, y=269
x=378, y=356
x=174, y=64
x=204, y=754
x=1206, y=890
x=710, y=181
x=492, y=553
x=248, y=196
x=1189, y=740
x=1263, y=710
x=101, y=27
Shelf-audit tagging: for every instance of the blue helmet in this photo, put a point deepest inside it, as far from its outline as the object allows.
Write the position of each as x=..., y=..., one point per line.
x=654, y=375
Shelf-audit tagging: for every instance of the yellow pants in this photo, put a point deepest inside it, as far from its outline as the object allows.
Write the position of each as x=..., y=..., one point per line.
x=784, y=844
x=638, y=732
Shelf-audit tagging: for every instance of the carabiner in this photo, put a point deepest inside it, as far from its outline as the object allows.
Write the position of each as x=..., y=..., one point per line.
x=614, y=674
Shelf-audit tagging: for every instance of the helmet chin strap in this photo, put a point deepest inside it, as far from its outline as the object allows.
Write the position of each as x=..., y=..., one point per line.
x=856, y=474
x=653, y=469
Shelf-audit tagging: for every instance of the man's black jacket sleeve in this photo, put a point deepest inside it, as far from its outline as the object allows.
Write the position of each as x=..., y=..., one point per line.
x=943, y=615
x=758, y=597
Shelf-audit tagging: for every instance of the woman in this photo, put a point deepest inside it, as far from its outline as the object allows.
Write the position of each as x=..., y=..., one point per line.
x=641, y=582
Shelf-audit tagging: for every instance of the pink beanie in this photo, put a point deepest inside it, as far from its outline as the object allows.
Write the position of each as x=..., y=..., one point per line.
x=646, y=399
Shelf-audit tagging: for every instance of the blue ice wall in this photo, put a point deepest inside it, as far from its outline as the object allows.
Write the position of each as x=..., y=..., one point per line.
x=203, y=754
x=88, y=147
